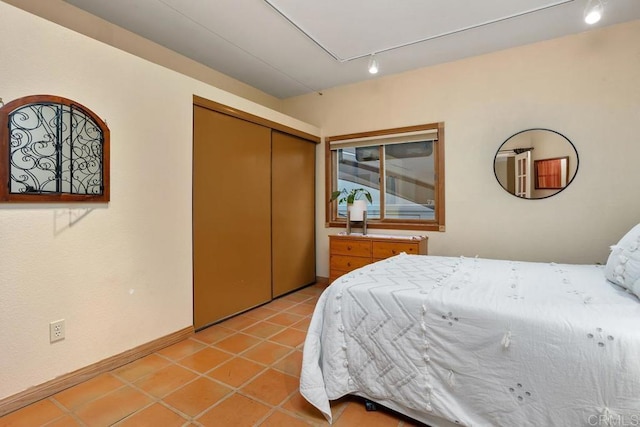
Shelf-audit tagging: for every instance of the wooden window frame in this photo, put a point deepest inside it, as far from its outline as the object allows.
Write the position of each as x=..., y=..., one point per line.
x=437, y=224
x=38, y=197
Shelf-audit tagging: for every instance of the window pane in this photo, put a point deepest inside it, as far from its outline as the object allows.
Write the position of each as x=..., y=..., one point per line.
x=82, y=159
x=360, y=168
x=410, y=181
x=398, y=167
x=55, y=148
x=33, y=149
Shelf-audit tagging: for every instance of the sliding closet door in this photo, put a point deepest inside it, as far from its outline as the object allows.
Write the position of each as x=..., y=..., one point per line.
x=231, y=215
x=293, y=212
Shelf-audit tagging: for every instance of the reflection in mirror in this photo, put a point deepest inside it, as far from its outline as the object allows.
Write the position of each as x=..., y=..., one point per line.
x=551, y=174
x=536, y=163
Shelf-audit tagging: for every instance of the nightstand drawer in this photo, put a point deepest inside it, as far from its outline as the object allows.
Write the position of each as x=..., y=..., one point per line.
x=388, y=249
x=350, y=247
x=347, y=263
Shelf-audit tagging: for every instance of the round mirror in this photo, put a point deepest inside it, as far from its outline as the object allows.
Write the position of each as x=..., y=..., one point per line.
x=536, y=163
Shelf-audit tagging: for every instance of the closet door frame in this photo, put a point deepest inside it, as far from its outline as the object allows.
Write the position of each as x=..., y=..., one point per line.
x=234, y=112
x=224, y=109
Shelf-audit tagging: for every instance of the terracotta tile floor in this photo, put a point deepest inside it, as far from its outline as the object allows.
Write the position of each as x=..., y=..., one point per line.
x=241, y=372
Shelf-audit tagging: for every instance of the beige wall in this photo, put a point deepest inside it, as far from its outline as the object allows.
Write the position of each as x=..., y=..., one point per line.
x=69, y=16
x=119, y=274
x=583, y=86
x=130, y=278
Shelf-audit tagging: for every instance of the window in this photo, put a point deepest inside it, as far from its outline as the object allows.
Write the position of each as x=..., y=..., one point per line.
x=52, y=149
x=402, y=168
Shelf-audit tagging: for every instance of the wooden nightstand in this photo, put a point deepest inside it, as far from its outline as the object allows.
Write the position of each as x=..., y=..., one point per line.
x=350, y=251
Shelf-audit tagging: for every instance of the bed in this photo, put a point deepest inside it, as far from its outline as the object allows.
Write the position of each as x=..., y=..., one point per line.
x=478, y=342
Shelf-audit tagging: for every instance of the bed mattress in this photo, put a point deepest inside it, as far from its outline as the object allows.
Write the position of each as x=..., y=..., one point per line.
x=478, y=342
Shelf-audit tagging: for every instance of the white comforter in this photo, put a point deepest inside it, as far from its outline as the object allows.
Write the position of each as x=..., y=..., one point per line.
x=478, y=342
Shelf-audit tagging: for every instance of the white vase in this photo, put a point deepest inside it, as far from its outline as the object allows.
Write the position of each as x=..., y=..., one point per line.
x=357, y=209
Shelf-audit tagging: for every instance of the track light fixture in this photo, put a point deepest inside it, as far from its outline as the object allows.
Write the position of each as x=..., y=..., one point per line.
x=373, y=64
x=593, y=11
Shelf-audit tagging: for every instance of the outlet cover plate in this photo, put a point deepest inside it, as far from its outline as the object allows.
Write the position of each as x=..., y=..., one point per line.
x=56, y=330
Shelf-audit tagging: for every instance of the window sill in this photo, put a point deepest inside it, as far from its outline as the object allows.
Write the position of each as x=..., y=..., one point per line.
x=390, y=225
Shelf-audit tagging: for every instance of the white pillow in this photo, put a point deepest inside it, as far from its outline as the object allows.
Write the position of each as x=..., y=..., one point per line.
x=623, y=265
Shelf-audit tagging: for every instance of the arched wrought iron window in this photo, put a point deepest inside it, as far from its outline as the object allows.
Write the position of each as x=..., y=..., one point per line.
x=52, y=149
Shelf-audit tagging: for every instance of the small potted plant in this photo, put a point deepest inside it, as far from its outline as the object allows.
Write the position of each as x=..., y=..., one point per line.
x=355, y=204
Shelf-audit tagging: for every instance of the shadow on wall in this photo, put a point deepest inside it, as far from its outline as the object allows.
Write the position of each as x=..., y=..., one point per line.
x=63, y=219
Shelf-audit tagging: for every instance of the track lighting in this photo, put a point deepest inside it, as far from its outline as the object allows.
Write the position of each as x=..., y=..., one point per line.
x=373, y=64
x=593, y=11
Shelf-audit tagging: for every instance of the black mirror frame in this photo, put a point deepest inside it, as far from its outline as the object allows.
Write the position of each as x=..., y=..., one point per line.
x=537, y=129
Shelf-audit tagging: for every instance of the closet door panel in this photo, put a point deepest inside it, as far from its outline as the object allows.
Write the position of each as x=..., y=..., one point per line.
x=231, y=215
x=293, y=212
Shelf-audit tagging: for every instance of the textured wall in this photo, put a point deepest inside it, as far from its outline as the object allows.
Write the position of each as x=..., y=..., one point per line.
x=120, y=274
x=584, y=86
x=83, y=22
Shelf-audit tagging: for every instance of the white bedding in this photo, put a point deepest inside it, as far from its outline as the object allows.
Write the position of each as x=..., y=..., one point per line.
x=478, y=342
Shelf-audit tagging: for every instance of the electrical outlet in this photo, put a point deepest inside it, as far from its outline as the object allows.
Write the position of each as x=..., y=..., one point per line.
x=56, y=330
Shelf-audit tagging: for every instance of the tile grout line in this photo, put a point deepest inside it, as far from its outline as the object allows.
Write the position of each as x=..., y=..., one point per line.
x=290, y=314
x=233, y=389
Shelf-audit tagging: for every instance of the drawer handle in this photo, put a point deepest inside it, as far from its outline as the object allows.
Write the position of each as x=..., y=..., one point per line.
x=393, y=251
x=348, y=264
x=348, y=248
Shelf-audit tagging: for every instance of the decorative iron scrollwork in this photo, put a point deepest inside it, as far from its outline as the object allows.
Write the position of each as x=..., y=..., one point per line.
x=54, y=147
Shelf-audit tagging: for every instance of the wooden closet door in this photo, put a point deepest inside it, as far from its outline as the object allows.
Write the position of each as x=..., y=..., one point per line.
x=231, y=215
x=293, y=212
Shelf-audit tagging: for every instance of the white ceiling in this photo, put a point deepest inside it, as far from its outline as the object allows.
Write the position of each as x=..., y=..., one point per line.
x=292, y=47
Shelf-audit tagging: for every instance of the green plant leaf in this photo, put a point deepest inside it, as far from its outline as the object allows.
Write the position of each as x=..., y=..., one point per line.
x=350, y=195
